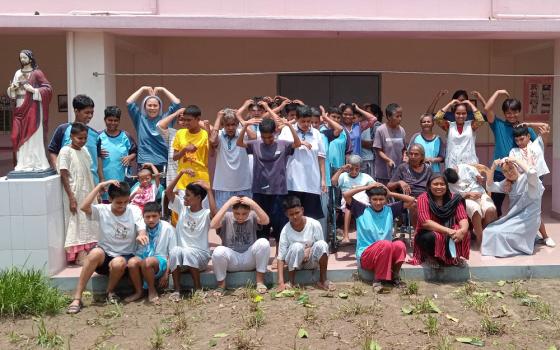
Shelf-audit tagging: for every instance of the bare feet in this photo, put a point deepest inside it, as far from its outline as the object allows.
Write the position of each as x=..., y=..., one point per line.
x=154, y=299
x=134, y=297
x=327, y=285
x=274, y=264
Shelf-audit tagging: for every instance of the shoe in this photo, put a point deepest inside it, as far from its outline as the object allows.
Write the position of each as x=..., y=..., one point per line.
x=550, y=242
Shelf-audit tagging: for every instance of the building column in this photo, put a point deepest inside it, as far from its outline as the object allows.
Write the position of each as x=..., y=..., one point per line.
x=86, y=53
x=556, y=135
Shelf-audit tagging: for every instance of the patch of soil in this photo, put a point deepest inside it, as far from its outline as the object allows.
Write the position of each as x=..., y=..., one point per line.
x=516, y=315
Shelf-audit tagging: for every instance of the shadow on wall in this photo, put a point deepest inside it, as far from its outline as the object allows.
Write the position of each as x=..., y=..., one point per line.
x=5, y=162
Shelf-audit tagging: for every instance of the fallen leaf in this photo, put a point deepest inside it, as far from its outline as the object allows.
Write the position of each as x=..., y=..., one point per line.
x=342, y=295
x=302, y=333
x=373, y=345
x=220, y=335
x=311, y=306
x=327, y=295
x=212, y=343
x=434, y=307
x=469, y=340
x=303, y=299
x=407, y=310
x=464, y=340
x=454, y=319
x=501, y=283
x=287, y=293
x=499, y=294
x=552, y=347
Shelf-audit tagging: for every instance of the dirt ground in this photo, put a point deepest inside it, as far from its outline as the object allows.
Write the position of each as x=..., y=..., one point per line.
x=502, y=315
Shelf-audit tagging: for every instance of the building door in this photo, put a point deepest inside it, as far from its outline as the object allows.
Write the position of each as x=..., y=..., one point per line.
x=330, y=89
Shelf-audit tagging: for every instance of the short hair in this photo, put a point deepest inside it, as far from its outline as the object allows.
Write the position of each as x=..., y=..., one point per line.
x=334, y=110
x=344, y=106
x=520, y=131
x=354, y=159
x=303, y=111
x=460, y=93
x=152, y=207
x=315, y=112
x=197, y=190
x=511, y=104
x=290, y=107
x=451, y=175
x=376, y=111
x=419, y=147
x=376, y=191
x=112, y=111
x=267, y=126
x=122, y=190
x=148, y=170
x=77, y=128
x=391, y=109
x=426, y=115
x=256, y=101
x=229, y=115
x=193, y=110
x=291, y=202
x=239, y=205
x=82, y=102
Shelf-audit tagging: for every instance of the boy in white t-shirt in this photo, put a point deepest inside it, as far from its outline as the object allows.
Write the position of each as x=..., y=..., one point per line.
x=151, y=260
x=346, y=178
x=192, y=252
x=232, y=176
x=532, y=152
x=302, y=246
x=120, y=227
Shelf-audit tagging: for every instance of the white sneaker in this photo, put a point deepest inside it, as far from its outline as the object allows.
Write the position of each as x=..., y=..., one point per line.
x=550, y=242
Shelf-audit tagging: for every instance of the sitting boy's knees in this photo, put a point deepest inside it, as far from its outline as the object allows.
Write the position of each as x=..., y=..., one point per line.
x=322, y=246
x=219, y=253
x=297, y=247
x=118, y=264
x=134, y=263
x=399, y=245
x=262, y=244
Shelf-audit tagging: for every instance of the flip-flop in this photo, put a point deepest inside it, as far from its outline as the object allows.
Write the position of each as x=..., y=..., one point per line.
x=73, y=308
x=175, y=296
x=381, y=288
x=113, y=298
x=327, y=286
x=261, y=288
x=219, y=292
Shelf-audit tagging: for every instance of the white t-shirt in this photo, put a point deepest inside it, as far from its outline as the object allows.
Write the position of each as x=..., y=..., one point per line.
x=166, y=241
x=233, y=172
x=302, y=171
x=311, y=233
x=533, y=155
x=192, y=228
x=346, y=182
x=467, y=180
x=117, y=234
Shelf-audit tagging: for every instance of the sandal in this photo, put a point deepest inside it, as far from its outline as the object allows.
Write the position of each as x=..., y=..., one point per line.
x=219, y=292
x=261, y=288
x=327, y=286
x=381, y=288
x=175, y=296
x=113, y=298
x=75, y=308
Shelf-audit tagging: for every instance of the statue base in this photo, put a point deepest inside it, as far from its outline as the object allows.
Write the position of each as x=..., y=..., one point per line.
x=31, y=174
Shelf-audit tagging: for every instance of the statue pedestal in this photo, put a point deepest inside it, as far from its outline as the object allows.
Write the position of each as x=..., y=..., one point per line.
x=32, y=223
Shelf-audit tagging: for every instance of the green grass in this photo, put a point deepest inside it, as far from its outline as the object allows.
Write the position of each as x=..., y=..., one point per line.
x=491, y=327
x=28, y=292
x=48, y=339
x=431, y=324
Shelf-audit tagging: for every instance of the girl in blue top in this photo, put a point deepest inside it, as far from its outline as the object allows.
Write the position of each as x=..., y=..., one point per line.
x=152, y=148
x=434, y=146
x=355, y=128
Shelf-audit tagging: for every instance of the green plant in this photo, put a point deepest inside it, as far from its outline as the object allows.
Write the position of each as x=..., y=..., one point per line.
x=28, y=292
x=411, y=288
x=491, y=327
x=352, y=309
x=444, y=344
x=256, y=319
x=157, y=340
x=431, y=325
x=47, y=339
x=519, y=292
x=479, y=301
x=196, y=298
x=115, y=311
x=242, y=342
x=357, y=289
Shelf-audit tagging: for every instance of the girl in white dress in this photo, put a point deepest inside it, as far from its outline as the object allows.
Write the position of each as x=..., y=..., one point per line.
x=461, y=139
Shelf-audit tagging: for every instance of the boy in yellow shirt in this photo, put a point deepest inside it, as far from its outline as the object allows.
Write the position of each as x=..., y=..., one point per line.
x=190, y=148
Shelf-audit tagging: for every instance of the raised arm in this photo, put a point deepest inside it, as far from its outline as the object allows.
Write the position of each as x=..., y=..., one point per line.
x=241, y=138
x=336, y=127
x=478, y=118
x=167, y=93
x=336, y=175
x=432, y=107
x=214, y=140
x=210, y=194
x=92, y=196
x=219, y=217
x=165, y=122
x=371, y=119
x=439, y=117
x=479, y=97
x=135, y=95
x=297, y=141
x=170, y=190
x=262, y=217
x=489, y=106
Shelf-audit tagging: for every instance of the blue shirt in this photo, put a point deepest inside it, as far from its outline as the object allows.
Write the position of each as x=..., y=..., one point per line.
x=432, y=148
x=325, y=140
x=338, y=150
x=504, y=140
x=61, y=138
x=152, y=148
x=118, y=146
x=356, y=137
x=372, y=226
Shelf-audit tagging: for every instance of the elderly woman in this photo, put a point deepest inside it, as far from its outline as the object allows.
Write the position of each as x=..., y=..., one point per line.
x=411, y=177
x=434, y=146
x=514, y=233
x=443, y=235
x=347, y=178
x=152, y=148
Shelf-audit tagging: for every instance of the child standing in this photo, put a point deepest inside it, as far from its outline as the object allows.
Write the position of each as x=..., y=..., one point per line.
x=302, y=246
x=168, y=133
x=192, y=251
x=389, y=144
x=151, y=260
x=120, y=227
x=120, y=147
x=148, y=186
x=532, y=153
x=74, y=164
x=232, y=176
x=190, y=149
x=240, y=249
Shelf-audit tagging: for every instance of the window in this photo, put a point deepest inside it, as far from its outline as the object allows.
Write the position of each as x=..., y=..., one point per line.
x=5, y=115
x=331, y=89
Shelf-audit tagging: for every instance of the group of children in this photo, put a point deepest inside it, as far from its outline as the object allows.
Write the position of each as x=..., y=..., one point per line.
x=279, y=166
